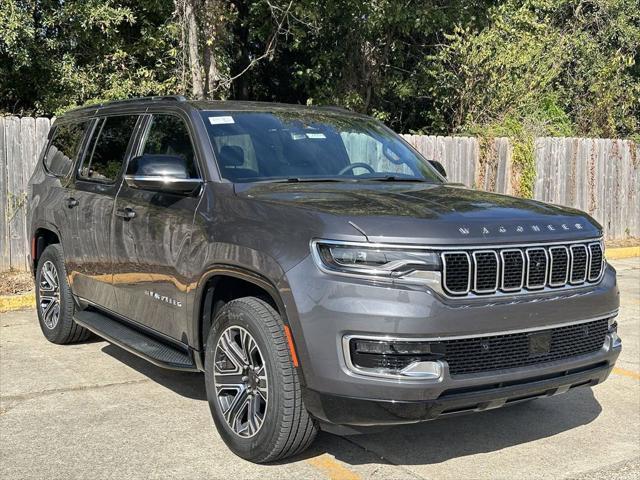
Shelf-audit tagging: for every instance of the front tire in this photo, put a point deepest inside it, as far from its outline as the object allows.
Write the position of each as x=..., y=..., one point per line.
x=54, y=301
x=252, y=386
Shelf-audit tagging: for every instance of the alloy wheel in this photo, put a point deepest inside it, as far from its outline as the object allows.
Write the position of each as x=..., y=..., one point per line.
x=240, y=377
x=49, y=295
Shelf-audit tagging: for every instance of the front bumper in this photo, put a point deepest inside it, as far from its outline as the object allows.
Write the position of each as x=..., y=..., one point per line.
x=323, y=309
x=360, y=412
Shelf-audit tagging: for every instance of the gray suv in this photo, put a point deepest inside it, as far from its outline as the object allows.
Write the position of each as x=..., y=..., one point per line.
x=317, y=269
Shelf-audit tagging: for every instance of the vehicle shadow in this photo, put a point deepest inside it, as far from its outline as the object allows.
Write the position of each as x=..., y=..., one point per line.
x=443, y=439
x=186, y=384
x=422, y=443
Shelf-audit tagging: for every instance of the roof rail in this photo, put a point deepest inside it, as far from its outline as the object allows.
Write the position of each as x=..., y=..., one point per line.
x=175, y=98
x=334, y=107
x=155, y=98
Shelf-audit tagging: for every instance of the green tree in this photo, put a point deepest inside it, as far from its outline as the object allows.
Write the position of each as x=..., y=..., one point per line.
x=57, y=54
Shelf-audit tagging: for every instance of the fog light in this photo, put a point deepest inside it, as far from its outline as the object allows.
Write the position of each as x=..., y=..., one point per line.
x=397, y=357
x=382, y=347
x=613, y=332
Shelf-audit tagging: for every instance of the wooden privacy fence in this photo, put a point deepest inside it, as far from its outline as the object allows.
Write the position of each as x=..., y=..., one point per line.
x=21, y=140
x=599, y=176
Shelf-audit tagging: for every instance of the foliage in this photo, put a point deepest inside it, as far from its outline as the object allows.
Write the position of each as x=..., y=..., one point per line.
x=57, y=54
x=514, y=67
x=561, y=66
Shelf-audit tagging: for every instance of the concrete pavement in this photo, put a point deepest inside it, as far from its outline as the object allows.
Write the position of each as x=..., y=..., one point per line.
x=95, y=411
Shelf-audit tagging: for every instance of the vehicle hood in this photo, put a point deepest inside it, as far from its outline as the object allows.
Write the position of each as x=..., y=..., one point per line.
x=425, y=213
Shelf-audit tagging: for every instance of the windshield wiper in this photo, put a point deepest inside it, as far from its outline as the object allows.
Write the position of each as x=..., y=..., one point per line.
x=308, y=180
x=393, y=178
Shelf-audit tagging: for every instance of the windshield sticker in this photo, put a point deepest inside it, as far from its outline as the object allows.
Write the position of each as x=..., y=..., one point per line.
x=297, y=136
x=316, y=135
x=223, y=120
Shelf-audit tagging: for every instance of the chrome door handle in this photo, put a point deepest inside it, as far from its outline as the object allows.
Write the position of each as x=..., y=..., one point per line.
x=127, y=213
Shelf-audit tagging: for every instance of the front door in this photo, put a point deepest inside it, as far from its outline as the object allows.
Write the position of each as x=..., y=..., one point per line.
x=92, y=198
x=151, y=237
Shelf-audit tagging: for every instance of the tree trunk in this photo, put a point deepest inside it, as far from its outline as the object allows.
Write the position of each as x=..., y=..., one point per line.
x=197, y=85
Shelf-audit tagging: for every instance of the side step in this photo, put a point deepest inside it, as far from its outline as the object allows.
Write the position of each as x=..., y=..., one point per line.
x=135, y=341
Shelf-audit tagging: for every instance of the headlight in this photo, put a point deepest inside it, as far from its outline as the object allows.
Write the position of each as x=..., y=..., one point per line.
x=374, y=261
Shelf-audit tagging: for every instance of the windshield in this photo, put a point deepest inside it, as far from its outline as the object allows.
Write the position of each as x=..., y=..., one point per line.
x=310, y=146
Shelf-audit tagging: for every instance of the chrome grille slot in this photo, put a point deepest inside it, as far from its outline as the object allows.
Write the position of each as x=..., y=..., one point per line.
x=536, y=268
x=485, y=271
x=579, y=260
x=512, y=270
x=596, y=263
x=456, y=272
x=559, y=266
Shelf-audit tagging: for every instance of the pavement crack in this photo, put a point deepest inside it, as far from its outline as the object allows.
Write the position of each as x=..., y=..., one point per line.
x=409, y=472
x=18, y=399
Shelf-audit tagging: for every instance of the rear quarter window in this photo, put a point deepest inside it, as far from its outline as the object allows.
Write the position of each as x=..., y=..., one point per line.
x=64, y=148
x=107, y=148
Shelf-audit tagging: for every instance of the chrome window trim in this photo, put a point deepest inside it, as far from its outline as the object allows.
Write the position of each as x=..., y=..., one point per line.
x=566, y=273
x=546, y=268
x=586, y=264
x=475, y=271
x=444, y=273
x=392, y=338
x=597, y=278
x=522, y=274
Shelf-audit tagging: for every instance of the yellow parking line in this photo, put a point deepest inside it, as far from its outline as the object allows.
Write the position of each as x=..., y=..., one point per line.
x=626, y=373
x=622, y=252
x=332, y=468
x=17, y=302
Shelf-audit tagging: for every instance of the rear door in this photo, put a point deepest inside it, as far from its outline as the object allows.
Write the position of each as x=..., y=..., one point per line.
x=66, y=143
x=92, y=200
x=150, y=244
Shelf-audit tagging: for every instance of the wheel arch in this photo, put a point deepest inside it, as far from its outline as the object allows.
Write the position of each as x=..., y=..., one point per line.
x=224, y=283
x=43, y=236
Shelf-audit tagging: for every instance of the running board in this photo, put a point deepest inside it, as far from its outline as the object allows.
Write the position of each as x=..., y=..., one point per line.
x=135, y=341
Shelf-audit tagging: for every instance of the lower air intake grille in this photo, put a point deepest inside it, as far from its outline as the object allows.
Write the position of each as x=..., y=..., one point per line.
x=484, y=354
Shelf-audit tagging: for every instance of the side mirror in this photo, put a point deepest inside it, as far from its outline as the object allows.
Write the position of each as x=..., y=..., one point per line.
x=163, y=173
x=439, y=167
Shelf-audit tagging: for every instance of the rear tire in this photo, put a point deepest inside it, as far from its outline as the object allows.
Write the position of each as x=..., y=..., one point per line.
x=247, y=361
x=54, y=301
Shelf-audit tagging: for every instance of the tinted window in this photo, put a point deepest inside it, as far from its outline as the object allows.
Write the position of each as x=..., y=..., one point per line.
x=314, y=146
x=64, y=148
x=107, y=148
x=168, y=135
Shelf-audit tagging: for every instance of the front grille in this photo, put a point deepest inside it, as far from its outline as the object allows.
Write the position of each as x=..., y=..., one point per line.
x=484, y=271
x=486, y=278
x=536, y=268
x=559, y=266
x=512, y=270
x=579, y=260
x=498, y=352
x=457, y=272
x=596, y=264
